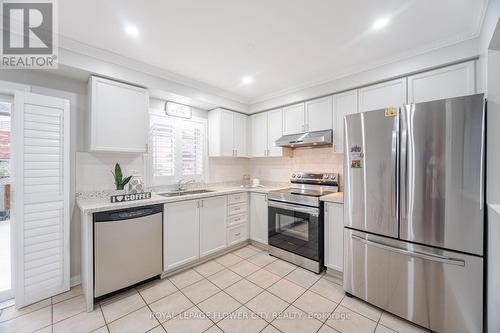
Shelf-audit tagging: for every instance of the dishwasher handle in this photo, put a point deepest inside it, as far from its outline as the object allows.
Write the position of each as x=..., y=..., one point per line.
x=127, y=214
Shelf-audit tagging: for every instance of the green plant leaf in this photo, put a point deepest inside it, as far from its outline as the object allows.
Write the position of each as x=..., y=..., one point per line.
x=126, y=180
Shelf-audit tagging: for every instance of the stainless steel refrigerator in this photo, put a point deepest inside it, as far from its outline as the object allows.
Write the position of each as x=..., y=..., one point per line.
x=414, y=201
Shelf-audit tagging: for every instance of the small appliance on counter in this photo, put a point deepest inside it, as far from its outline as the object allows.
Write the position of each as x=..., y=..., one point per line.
x=296, y=219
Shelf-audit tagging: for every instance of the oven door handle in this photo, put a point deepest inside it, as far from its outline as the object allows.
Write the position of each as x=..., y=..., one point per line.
x=301, y=209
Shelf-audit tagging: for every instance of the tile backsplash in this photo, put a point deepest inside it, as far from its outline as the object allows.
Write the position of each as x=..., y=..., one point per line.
x=304, y=159
x=93, y=170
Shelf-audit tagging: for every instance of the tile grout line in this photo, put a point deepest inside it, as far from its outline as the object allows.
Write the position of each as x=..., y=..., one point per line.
x=151, y=310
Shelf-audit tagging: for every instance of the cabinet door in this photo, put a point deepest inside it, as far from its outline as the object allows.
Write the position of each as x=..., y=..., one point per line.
x=319, y=114
x=226, y=133
x=120, y=109
x=240, y=134
x=259, y=134
x=258, y=217
x=293, y=119
x=334, y=236
x=212, y=225
x=180, y=233
x=274, y=132
x=447, y=82
x=383, y=95
x=343, y=105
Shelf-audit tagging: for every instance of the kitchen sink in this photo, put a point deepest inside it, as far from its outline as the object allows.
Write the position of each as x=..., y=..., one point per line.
x=177, y=194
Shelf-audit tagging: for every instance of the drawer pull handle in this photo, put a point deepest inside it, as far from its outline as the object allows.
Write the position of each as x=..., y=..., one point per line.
x=239, y=233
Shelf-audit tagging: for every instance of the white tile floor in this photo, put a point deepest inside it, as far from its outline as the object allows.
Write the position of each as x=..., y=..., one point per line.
x=244, y=291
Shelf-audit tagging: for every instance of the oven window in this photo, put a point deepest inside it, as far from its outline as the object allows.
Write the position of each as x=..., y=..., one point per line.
x=293, y=226
x=296, y=232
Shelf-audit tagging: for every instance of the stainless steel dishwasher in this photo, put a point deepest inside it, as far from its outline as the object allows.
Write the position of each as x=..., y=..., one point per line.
x=127, y=247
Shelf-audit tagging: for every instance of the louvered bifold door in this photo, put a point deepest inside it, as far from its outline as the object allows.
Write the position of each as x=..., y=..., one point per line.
x=40, y=140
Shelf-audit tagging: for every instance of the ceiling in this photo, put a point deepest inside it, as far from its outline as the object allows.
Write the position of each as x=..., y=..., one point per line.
x=284, y=45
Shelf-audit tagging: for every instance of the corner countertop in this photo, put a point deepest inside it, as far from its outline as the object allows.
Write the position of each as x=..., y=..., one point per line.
x=337, y=197
x=93, y=205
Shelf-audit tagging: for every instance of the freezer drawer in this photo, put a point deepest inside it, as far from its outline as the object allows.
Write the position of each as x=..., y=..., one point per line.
x=437, y=289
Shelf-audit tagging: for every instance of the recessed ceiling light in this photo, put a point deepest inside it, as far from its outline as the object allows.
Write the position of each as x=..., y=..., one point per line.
x=247, y=79
x=380, y=23
x=132, y=30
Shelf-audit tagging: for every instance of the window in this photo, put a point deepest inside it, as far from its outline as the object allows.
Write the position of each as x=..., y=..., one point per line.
x=177, y=148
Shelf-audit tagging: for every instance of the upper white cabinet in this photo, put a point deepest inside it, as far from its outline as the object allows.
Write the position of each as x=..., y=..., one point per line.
x=314, y=115
x=118, y=116
x=293, y=119
x=319, y=114
x=343, y=105
x=212, y=225
x=274, y=132
x=266, y=128
x=446, y=82
x=227, y=133
x=258, y=217
x=383, y=95
x=240, y=124
x=334, y=236
x=180, y=233
x=259, y=134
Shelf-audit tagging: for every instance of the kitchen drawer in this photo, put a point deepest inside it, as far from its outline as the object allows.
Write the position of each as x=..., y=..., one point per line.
x=422, y=284
x=237, y=234
x=237, y=219
x=236, y=198
x=237, y=209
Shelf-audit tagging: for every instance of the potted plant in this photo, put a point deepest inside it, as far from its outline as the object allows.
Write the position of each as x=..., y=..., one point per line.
x=120, y=182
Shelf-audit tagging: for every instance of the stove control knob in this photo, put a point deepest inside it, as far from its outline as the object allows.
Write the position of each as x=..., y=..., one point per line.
x=299, y=176
x=293, y=175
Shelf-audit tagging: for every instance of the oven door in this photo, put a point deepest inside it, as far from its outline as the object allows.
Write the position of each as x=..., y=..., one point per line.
x=296, y=228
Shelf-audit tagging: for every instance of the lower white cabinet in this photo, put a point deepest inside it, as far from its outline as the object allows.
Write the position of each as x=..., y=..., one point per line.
x=258, y=217
x=193, y=229
x=237, y=234
x=334, y=236
x=212, y=225
x=180, y=233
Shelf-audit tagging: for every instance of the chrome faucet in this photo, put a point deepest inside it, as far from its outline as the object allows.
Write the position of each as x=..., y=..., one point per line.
x=181, y=184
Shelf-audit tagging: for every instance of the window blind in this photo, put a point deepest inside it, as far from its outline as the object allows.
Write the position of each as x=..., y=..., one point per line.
x=192, y=149
x=163, y=140
x=177, y=149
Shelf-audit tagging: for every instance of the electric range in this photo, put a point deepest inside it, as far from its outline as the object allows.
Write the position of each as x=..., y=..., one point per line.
x=296, y=219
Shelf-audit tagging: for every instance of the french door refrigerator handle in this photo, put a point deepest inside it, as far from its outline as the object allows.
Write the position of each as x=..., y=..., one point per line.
x=481, y=170
x=403, y=164
x=394, y=170
x=415, y=254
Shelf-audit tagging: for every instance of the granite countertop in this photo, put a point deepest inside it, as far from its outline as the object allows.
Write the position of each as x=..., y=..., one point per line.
x=92, y=205
x=337, y=197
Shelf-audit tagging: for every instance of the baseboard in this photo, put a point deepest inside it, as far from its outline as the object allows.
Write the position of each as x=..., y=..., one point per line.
x=258, y=244
x=75, y=280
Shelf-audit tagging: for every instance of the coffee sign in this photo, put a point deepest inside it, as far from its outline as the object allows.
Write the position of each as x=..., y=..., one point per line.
x=130, y=197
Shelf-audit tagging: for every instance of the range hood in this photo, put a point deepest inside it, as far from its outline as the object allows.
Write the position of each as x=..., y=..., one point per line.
x=308, y=139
